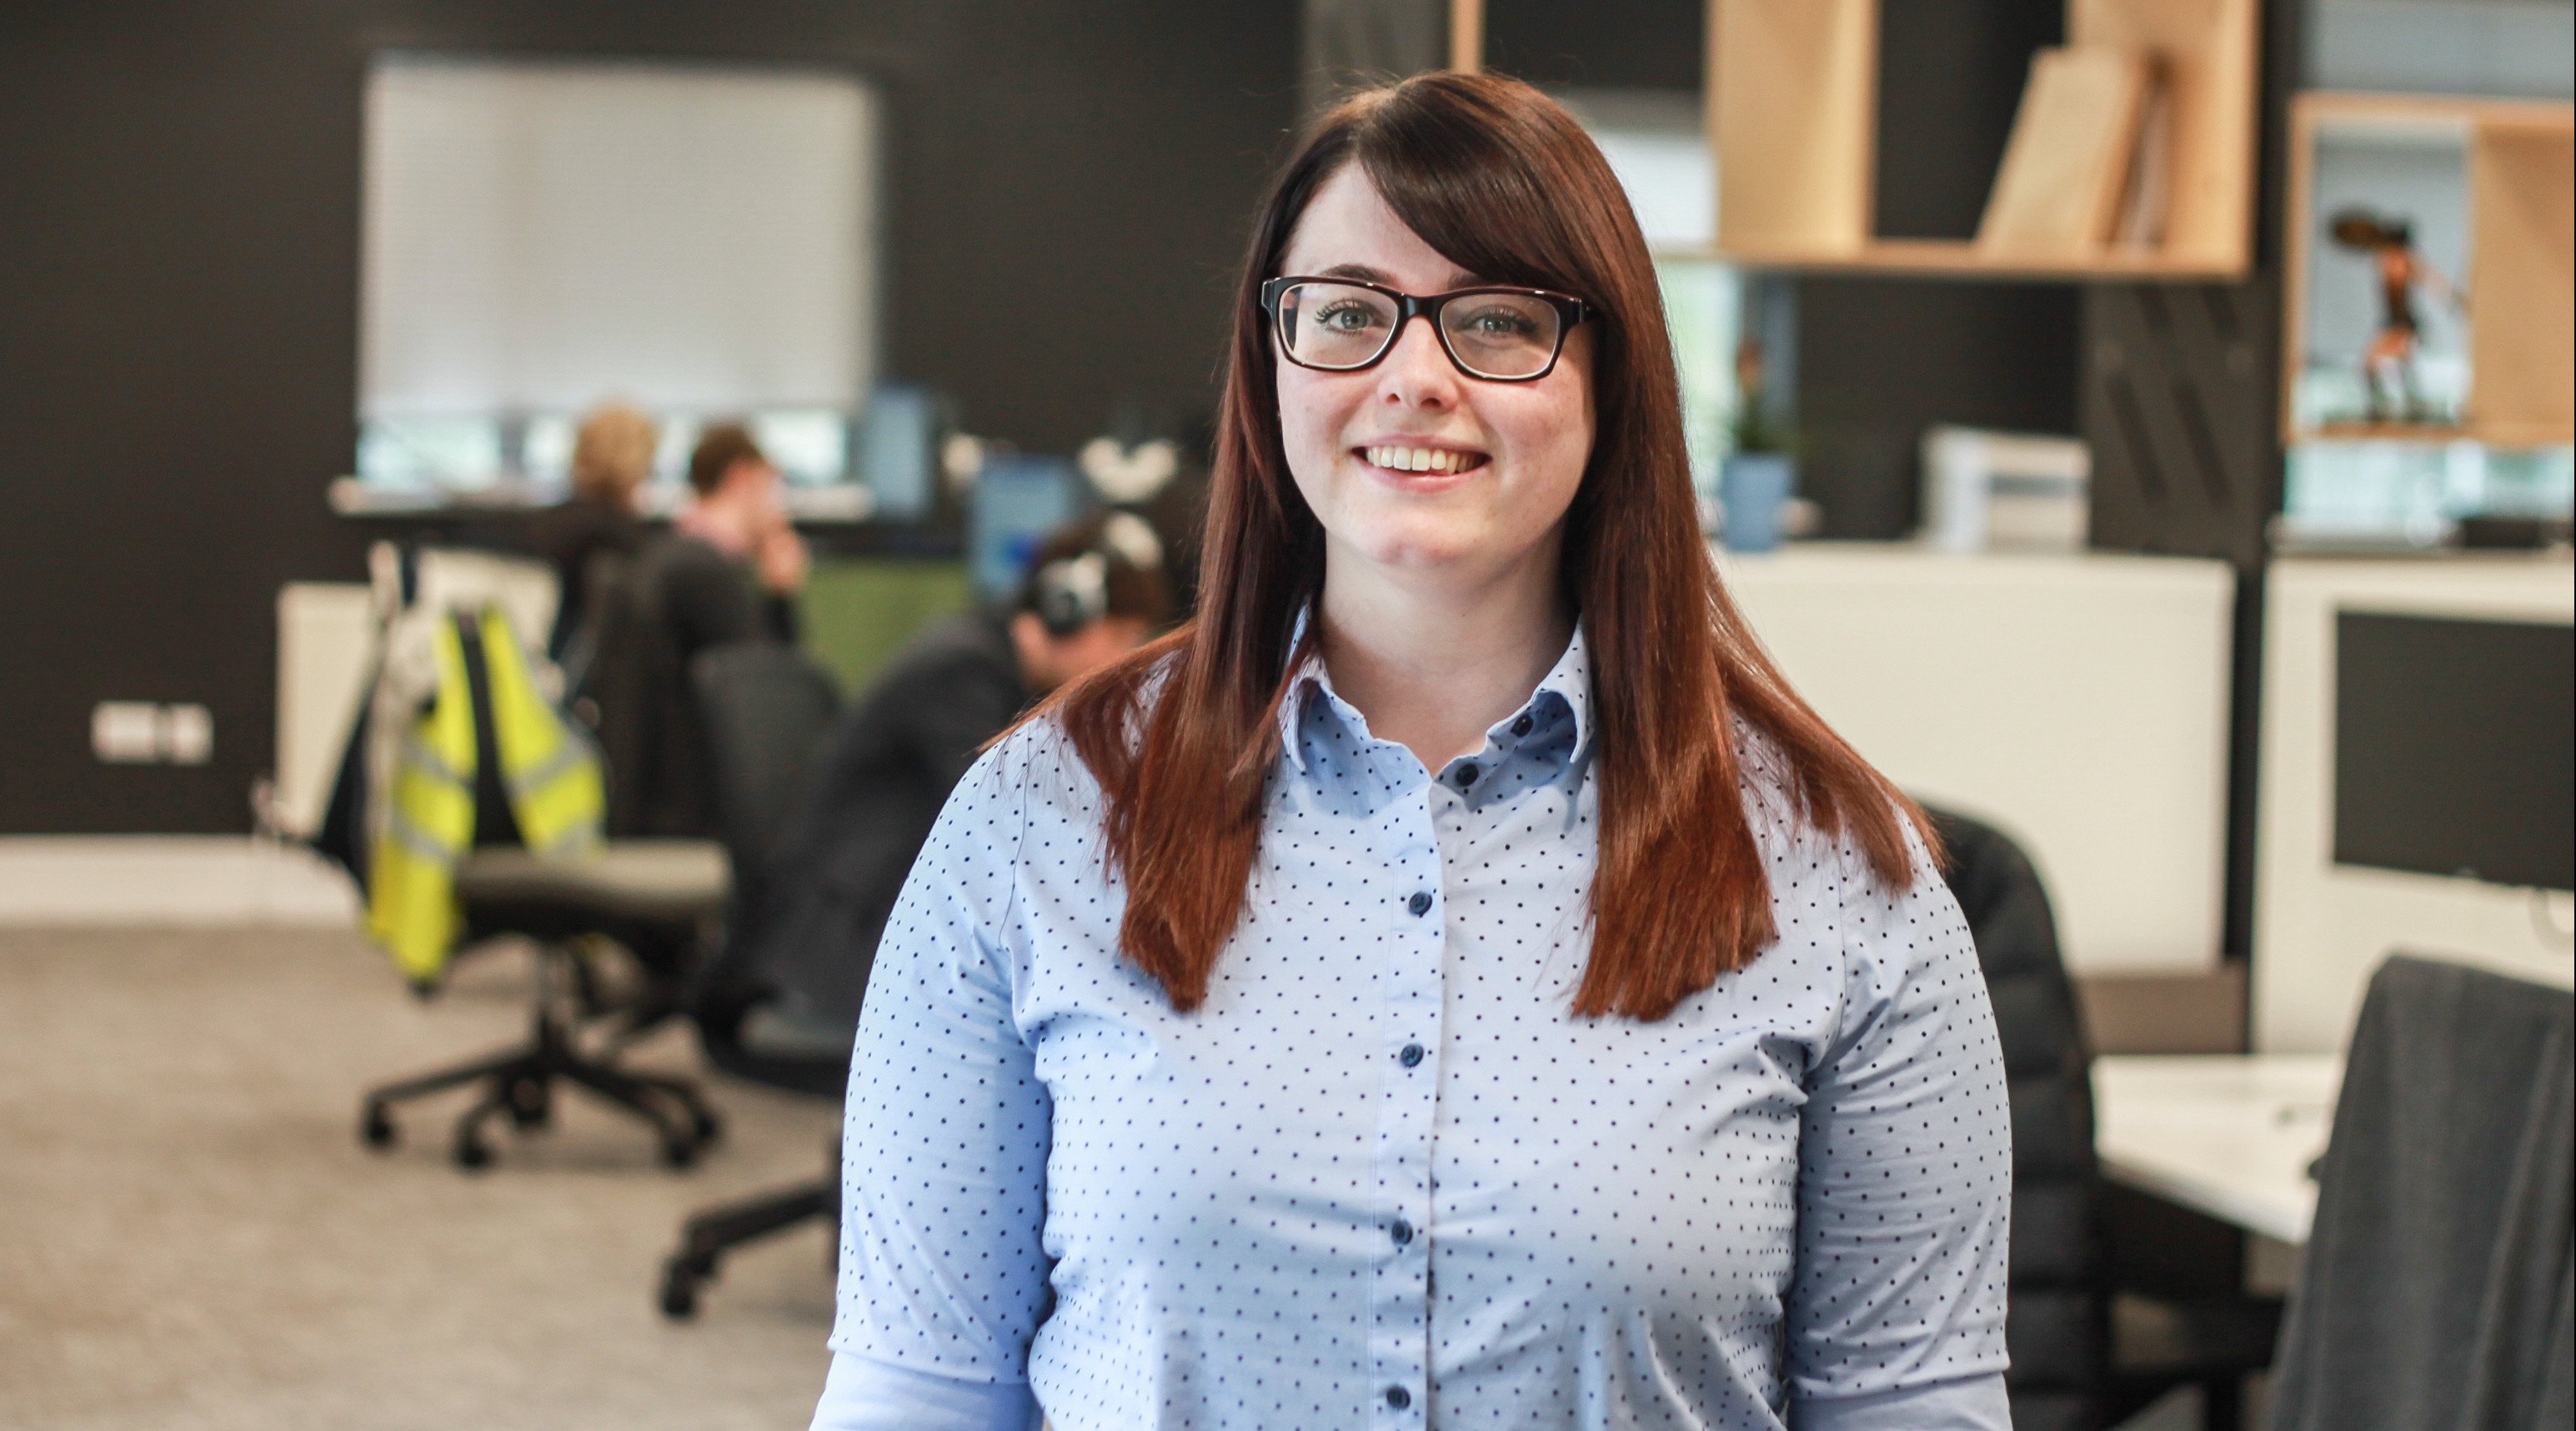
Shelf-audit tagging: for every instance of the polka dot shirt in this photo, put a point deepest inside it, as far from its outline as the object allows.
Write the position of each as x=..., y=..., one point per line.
x=1383, y=1178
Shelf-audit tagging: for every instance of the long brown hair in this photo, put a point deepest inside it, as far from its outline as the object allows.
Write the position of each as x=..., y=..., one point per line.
x=1500, y=180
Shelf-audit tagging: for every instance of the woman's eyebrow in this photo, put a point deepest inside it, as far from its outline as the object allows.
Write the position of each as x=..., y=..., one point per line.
x=1458, y=277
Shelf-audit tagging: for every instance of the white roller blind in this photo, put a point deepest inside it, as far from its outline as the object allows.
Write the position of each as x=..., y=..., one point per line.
x=540, y=236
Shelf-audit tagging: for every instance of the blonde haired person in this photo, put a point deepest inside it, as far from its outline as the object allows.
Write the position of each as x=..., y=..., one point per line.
x=612, y=455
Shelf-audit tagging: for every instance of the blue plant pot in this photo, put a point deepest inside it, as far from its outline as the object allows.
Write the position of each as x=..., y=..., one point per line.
x=1755, y=486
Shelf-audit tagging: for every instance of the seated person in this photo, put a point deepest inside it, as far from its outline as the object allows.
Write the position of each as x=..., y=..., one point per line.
x=734, y=564
x=612, y=454
x=1094, y=593
x=729, y=570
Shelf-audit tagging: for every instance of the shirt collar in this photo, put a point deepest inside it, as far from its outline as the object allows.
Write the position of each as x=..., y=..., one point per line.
x=1569, y=681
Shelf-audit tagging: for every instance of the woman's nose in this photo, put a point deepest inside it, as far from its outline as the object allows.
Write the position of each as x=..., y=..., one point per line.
x=1417, y=372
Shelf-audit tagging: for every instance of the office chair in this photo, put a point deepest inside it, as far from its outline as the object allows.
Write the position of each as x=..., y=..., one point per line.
x=2437, y=1287
x=657, y=899
x=766, y=709
x=2084, y=1353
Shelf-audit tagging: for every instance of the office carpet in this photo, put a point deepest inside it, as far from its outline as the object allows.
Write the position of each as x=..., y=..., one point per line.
x=192, y=1239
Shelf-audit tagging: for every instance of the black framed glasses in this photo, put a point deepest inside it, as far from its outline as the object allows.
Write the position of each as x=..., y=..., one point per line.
x=1500, y=334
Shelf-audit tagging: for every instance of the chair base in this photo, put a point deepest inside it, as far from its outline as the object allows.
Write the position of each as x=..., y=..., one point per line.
x=707, y=1236
x=520, y=1084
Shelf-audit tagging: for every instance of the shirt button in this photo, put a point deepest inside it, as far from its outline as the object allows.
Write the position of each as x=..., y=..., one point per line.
x=1402, y=1232
x=1420, y=904
x=1398, y=1397
x=1467, y=774
x=1521, y=726
x=1411, y=1056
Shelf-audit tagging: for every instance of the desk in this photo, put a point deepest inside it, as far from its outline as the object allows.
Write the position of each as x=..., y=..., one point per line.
x=2231, y=1136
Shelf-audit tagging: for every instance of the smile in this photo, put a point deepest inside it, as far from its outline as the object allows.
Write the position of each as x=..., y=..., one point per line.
x=1423, y=459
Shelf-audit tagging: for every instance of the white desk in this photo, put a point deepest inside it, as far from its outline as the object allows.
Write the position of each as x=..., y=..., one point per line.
x=2230, y=1135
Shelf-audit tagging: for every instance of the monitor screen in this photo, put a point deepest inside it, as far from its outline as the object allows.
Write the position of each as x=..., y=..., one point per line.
x=898, y=448
x=1018, y=499
x=2452, y=747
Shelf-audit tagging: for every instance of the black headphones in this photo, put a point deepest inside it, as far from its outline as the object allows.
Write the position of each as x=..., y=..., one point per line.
x=1070, y=593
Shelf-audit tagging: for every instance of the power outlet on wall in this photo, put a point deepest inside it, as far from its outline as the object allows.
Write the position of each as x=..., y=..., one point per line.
x=147, y=733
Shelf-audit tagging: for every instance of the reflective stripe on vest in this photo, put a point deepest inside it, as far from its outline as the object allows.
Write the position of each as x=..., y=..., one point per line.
x=411, y=900
x=549, y=770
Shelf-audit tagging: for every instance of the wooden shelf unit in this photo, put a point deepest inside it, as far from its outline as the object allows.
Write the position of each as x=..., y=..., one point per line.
x=1793, y=114
x=2521, y=286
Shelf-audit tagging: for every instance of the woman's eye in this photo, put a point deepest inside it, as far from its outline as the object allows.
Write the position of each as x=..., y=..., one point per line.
x=1499, y=323
x=1344, y=317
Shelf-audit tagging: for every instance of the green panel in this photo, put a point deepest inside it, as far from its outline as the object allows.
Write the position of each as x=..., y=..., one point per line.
x=858, y=611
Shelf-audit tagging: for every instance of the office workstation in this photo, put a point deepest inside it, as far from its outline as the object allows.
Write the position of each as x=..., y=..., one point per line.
x=528, y=517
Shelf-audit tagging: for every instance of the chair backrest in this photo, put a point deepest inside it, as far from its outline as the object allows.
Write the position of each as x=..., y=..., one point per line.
x=767, y=708
x=2058, y=1328
x=2437, y=1284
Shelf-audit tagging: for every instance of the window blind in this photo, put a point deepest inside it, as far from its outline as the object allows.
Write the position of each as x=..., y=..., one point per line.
x=538, y=236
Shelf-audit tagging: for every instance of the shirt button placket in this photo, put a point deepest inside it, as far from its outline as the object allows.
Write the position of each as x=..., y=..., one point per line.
x=1400, y=1331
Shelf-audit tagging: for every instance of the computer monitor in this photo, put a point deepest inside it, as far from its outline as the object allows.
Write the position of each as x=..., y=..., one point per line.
x=899, y=450
x=2452, y=747
x=1018, y=499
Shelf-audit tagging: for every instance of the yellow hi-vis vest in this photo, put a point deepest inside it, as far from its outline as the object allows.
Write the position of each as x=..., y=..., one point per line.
x=550, y=773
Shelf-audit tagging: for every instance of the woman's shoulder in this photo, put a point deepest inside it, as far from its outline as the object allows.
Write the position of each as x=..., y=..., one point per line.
x=1796, y=838
x=1767, y=782
x=1041, y=763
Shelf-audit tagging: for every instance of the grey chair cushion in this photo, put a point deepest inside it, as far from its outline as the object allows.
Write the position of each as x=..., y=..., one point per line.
x=624, y=879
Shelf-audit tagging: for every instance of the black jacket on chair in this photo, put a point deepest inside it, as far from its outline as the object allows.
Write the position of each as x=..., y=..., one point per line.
x=2058, y=1329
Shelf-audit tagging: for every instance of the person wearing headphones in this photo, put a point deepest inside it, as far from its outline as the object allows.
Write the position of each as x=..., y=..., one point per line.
x=1094, y=592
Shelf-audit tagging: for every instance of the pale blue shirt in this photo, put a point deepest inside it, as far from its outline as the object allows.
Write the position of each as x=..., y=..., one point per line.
x=1383, y=1178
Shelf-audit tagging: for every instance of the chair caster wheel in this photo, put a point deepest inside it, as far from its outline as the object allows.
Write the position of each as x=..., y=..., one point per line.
x=376, y=1129
x=473, y=1154
x=679, y=1291
x=530, y=1105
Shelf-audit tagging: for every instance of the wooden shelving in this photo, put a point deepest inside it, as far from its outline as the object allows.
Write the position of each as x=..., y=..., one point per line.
x=2521, y=282
x=1792, y=118
x=1962, y=259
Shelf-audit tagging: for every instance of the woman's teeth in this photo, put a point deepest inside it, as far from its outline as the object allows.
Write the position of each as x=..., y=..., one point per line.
x=1422, y=459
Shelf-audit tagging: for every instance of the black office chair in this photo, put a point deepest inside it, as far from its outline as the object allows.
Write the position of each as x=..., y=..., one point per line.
x=766, y=710
x=655, y=898
x=2084, y=1354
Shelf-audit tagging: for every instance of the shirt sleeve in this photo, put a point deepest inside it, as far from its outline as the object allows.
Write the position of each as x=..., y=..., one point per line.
x=943, y=1280
x=864, y=1395
x=1905, y=1176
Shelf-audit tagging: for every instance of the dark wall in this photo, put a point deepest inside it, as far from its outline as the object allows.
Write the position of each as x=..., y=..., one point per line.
x=1881, y=360
x=179, y=325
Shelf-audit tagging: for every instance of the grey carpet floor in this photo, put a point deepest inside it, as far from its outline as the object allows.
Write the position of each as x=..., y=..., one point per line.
x=191, y=1237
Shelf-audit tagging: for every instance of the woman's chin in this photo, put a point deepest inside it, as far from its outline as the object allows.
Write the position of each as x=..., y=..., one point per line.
x=1422, y=548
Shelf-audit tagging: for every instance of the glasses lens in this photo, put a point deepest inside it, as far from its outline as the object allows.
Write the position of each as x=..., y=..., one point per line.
x=1501, y=335
x=1334, y=325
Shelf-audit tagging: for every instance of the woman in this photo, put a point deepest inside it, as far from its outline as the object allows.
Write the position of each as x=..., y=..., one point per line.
x=1453, y=982
x=612, y=454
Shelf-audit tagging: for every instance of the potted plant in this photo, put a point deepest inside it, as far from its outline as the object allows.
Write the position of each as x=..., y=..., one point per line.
x=1755, y=481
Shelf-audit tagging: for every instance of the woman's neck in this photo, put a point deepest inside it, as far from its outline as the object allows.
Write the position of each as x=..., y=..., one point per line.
x=1433, y=667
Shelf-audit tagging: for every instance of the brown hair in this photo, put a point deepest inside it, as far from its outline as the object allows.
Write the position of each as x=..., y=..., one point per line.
x=612, y=451
x=1500, y=180
x=718, y=449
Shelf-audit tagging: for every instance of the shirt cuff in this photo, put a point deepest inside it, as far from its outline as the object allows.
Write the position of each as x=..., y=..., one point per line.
x=862, y=1394
x=1970, y=1403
